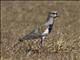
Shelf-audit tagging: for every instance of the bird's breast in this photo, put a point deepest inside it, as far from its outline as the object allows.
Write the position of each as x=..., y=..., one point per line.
x=46, y=31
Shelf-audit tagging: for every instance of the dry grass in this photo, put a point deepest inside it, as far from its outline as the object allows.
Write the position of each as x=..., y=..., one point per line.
x=20, y=17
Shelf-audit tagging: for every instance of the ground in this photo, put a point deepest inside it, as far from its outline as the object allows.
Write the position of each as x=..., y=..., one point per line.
x=20, y=17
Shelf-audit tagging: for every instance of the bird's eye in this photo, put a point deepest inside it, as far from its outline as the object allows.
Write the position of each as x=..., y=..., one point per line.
x=53, y=13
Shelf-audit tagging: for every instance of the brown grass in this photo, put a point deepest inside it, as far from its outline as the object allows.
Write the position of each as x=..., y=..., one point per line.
x=20, y=17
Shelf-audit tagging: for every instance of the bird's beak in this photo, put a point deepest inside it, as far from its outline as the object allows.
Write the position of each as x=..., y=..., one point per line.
x=57, y=15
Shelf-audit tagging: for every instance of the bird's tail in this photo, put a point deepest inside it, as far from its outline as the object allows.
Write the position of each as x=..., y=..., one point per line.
x=24, y=38
x=20, y=39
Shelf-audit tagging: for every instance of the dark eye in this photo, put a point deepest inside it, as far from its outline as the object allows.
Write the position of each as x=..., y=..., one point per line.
x=53, y=13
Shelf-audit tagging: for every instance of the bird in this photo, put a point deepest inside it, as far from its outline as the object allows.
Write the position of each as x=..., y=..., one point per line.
x=42, y=31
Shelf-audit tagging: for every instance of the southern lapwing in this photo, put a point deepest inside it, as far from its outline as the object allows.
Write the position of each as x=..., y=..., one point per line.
x=44, y=30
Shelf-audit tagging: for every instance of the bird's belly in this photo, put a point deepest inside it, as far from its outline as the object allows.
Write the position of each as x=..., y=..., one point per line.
x=45, y=32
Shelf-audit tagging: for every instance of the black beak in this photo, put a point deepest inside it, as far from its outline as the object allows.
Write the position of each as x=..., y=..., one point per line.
x=57, y=15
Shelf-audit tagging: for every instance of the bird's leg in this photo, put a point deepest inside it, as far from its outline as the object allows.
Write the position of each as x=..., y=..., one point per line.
x=41, y=43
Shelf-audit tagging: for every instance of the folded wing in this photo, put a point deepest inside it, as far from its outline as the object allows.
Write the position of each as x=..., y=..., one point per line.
x=33, y=35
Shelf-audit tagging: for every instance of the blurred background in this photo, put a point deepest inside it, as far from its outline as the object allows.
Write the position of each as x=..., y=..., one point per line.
x=20, y=17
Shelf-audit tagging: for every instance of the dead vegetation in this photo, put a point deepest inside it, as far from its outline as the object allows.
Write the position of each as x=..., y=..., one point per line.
x=20, y=17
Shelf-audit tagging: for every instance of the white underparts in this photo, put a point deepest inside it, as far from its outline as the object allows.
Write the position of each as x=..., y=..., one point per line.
x=46, y=31
x=43, y=37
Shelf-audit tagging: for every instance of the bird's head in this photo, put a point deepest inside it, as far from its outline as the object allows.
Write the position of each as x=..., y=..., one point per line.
x=53, y=14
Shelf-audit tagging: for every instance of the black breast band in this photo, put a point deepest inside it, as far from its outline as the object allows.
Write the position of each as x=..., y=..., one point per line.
x=50, y=27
